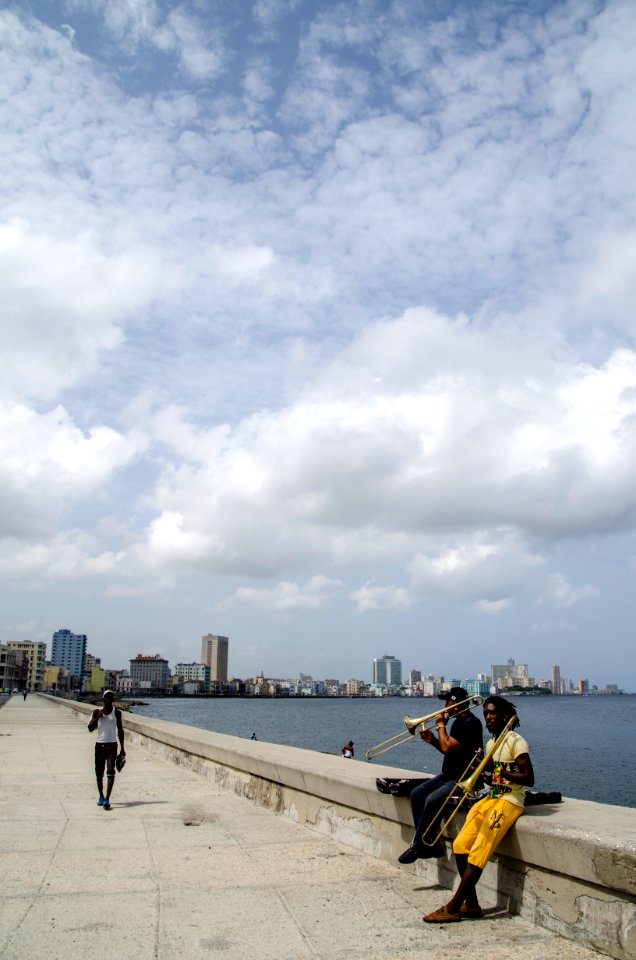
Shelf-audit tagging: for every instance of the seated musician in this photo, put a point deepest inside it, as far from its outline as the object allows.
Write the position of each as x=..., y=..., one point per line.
x=490, y=819
x=458, y=745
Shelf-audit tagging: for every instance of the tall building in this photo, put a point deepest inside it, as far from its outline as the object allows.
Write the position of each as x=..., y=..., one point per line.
x=556, y=679
x=510, y=674
x=214, y=655
x=69, y=650
x=387, y=671
x=153, y=669
x=35, y=656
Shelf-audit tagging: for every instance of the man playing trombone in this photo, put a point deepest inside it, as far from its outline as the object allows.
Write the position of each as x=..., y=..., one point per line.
x=458, y=745
x=490, y=819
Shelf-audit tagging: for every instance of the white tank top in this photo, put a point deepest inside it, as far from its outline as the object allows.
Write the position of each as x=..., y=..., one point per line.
x=107, y=728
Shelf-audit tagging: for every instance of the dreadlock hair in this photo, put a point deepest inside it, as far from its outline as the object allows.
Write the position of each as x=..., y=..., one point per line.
x=504, y=707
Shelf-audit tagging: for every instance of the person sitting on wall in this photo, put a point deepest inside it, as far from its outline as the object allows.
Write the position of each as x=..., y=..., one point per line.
x=458, y=744
x=490, y=819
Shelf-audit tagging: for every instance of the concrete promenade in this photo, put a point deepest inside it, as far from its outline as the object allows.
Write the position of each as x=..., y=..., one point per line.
x=179, y=869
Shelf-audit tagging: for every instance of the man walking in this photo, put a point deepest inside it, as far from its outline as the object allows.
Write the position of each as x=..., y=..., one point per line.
x=458, y=745
x=107, y=722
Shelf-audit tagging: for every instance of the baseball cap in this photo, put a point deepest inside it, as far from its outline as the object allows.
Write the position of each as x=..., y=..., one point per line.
x=109, y=694
x=455, y=695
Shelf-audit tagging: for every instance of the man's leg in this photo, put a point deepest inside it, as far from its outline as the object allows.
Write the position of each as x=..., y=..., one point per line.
x=426, y=801
x=100, y=763
x=486, y=825
x=466, y=892
x=430, y=823
x=111, y=756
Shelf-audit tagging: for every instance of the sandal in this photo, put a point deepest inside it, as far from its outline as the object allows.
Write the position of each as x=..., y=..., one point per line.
x=471, y=913
x=441, y=916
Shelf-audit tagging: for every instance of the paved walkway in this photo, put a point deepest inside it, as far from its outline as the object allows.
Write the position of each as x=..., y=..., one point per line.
x=178, y=869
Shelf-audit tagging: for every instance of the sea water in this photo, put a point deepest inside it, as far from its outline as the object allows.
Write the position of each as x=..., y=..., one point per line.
x=582, y=746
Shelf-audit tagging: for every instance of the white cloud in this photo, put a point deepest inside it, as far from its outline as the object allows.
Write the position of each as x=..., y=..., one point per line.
x=48, y=463
x=285, y=597
x=484, y=568
x=68, y=556
x=561, y=593
x=371, y=596
x=199, y=50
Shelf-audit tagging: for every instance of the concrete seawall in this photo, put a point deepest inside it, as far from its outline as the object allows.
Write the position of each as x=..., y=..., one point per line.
x=569, y=868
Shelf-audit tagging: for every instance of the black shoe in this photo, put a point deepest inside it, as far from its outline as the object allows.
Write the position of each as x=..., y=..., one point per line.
x=411, y=854
x=432, y=853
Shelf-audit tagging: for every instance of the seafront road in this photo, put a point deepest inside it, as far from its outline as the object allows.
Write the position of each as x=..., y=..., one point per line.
x=179, y=870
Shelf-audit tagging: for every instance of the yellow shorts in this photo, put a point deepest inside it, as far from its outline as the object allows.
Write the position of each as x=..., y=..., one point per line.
x=486, y=825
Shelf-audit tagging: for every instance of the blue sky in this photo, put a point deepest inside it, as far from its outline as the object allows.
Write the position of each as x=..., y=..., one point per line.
x=318, y=326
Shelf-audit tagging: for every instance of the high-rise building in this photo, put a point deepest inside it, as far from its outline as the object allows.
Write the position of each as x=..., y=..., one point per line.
x=35, y=655
x=69, y=650
x=214, y=654
x=387, y=671
x=510, y=674
x=556, y=679
x=153, y=669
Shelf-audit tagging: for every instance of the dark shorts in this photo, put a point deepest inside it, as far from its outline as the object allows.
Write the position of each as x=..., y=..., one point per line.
x=105, y=756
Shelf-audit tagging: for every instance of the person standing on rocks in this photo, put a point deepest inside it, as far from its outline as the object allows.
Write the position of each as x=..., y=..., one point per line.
x=107, y=721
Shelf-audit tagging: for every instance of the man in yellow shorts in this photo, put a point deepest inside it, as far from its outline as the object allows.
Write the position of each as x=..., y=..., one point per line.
x=490, y=819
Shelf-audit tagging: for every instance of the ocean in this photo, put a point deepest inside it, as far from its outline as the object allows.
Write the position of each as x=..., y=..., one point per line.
x=583, y=747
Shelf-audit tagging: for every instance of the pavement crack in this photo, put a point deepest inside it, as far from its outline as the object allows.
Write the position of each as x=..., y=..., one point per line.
x=290, y=913
x=154, y=873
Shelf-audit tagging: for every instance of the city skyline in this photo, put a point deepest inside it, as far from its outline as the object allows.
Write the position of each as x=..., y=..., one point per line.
x=385, y=670
x=318, y=326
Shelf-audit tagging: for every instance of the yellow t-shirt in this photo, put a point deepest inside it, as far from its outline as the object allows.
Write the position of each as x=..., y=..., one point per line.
x=512, y=747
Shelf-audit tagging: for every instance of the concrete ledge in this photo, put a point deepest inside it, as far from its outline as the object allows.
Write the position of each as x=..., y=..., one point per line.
x=570, y=867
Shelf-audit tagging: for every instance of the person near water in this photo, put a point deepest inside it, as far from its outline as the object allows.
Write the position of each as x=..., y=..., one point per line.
x=489, y=820
x=348, y=751
x=108, y=723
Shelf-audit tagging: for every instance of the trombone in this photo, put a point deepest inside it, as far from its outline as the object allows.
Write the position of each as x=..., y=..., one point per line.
x=468, y=785
x=424, y=723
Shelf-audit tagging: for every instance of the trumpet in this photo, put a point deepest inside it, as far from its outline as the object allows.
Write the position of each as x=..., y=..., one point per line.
x=467, y=785
x=414, y=726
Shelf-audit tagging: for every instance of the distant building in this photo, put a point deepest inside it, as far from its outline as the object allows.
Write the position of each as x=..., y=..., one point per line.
x=476, y=688
x=510, y=674
x=431, y=685
x=197, y=674
x=387, y=671
x=214, y=653
x=9, y=670
x=355, y=688
x=415, y=677
x=56, y=678
x=556, y=679
x=150, y=669
x=89, y=662
x=35, y=655
x=69, y=651
x=95, y=682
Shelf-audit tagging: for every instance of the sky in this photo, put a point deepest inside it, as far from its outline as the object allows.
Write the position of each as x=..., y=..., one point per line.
x=318, y=332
